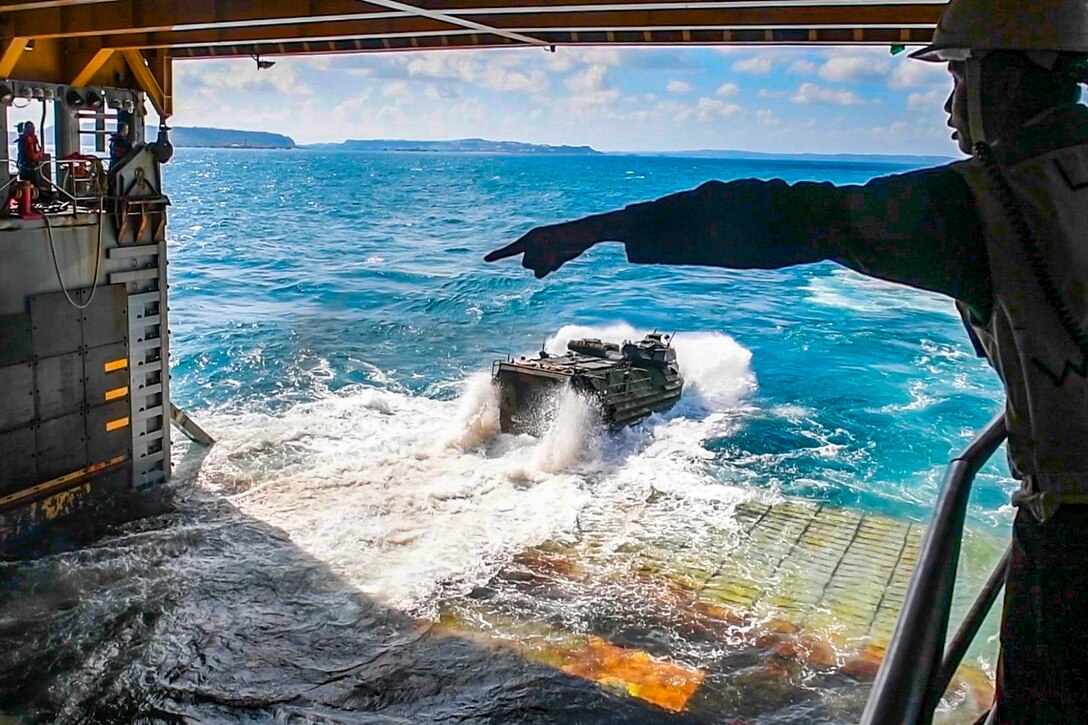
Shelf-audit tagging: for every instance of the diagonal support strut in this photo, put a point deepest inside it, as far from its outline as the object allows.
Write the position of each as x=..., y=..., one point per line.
x=463, y=22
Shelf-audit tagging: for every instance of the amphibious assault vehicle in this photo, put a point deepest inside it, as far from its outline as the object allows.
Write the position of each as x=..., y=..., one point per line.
x=628, y=382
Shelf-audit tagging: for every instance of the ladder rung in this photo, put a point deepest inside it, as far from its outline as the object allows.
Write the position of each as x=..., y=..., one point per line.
x=138, y=250
x=144, y=298
x=135, y=275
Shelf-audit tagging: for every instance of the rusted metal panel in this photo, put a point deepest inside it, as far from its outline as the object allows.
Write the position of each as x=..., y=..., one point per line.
x=58, y=385
x=15, y=344
x=16, y=396
x=62, y=446
x=19, y=467
x=56, y=326
x=105, y=320
x=109, y=431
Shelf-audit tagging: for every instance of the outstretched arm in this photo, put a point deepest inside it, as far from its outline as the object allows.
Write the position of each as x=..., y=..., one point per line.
x=919, y=228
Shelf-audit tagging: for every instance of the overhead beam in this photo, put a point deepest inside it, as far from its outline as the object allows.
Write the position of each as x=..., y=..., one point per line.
x=161, y=64
x=794, y=35
x=155, y=16
x=445, y=17
x=512, y=26
x=149, y=84
x=10, y=7
x=129, y=16
x=89, y=69
x=13, y=51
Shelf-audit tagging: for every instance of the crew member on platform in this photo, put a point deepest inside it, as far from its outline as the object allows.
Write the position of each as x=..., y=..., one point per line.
x=1005, y=233
x=31, y=155
x=120, y=143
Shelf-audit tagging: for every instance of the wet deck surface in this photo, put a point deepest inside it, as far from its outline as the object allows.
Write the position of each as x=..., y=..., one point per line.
x=667, y=610
x=780, y=599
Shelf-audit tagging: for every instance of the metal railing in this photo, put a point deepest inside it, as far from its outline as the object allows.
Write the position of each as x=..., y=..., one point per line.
x=80, y=188
x=917, y=669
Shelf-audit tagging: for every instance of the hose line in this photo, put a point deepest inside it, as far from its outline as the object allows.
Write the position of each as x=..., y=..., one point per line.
x=56, y=264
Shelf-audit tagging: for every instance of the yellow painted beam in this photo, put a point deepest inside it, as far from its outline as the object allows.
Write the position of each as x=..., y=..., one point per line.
x=12, y=52
x=132, y=16
x=61, y=481
x=148, y=83
x=161, y=64
x=88, y=71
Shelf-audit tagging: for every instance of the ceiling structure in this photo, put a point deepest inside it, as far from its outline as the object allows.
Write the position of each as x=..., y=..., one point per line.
x=132, y=43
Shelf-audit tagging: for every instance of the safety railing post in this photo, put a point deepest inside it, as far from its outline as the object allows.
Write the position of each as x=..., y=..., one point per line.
x=902, y=692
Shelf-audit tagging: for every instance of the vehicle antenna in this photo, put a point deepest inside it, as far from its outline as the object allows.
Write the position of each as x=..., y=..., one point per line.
x=669, y=343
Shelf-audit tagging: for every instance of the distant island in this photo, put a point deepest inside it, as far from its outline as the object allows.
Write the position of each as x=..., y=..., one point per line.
x=764, y=156
x=461, y=145
x=223, y=138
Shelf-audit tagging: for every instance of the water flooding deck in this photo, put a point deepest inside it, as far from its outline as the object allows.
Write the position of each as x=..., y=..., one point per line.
x=787, y=599
x=681, y=611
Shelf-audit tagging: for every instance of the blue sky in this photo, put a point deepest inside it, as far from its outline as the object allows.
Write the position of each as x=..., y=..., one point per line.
x=830, y=100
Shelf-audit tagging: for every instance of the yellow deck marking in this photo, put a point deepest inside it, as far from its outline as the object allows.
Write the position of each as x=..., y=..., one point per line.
x=117, y=424
x=61, y=481
x=117, y=393
x=113, y=365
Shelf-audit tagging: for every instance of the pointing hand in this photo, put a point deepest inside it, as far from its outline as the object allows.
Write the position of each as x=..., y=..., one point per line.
x=546, y=249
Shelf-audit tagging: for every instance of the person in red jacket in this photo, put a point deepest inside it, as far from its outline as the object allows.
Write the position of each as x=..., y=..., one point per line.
x=31, y=155
x=1003, y=233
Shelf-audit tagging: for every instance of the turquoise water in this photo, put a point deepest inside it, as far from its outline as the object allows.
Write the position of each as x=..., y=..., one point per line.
x=297, y=276
x=333, y=326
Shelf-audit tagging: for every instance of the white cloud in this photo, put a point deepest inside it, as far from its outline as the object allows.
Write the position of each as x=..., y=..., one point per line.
x=924, y=101
x=591, y=101
x=802, y=67
x=725, y=90
x=758, y=66
x=501, y=79
x=768, y=93
x=679, y=87
x=712, y=108
x=238, y=75
x=498, y=72
x=443, y=92
x=914, y=129
x=812, y=93
x=705, y=109
x=396, y=89
x=855, y=69
x=766, y=117
x=564, y=59
x=317, y=62
x=915, y=73
x=593, y=78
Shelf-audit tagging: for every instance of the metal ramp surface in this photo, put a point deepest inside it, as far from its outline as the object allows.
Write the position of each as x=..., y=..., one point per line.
x=669, y=601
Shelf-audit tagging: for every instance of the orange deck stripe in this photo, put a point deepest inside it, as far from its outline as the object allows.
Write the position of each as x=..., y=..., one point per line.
x=117, y=424
x=61, y=480
x=117, y=393
x=113, y=365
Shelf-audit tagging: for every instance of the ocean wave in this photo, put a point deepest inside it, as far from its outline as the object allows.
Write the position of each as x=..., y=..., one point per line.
x=401, y=493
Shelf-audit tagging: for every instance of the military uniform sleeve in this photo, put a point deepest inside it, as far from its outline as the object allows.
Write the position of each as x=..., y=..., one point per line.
x=920, y=229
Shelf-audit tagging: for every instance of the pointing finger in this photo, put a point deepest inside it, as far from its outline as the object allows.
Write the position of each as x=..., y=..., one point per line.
x=510, y=250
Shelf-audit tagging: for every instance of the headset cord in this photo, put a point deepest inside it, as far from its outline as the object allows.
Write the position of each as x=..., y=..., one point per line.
x=1031, y=248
